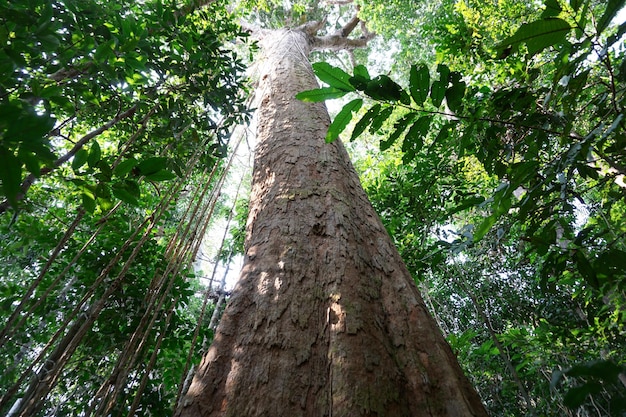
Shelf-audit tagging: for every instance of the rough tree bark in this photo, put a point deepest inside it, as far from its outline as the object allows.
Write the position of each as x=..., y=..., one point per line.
x=326, y=319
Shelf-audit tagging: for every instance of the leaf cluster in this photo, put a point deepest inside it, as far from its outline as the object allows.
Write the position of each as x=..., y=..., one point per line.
x=127, y=71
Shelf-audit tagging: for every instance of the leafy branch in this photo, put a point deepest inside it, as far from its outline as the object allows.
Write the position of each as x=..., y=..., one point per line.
x=16, y=193
x=390, y=96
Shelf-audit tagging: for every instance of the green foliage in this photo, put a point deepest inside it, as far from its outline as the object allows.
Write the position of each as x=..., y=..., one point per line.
x=537, y=36
x=107, y=109
x=594, y=377
x=342, y=119
x=234, y=244
x=419, y=84
x=320, y=94
x=506, y=168
x=333, y=76
x=71, y=68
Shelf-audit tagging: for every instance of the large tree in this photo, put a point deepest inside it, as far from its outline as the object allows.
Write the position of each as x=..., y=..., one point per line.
x=326, y=319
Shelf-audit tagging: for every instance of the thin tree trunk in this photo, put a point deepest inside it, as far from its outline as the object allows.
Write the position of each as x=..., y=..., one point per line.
x=325, y=319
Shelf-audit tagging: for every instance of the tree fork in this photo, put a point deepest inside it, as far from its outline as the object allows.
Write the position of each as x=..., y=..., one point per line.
x=326, y=319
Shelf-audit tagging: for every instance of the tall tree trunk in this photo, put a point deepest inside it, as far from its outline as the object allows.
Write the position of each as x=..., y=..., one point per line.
x=325, y=320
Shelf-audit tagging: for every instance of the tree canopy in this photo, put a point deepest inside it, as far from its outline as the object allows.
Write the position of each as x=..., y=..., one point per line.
x=489, y=136
x=114, y=122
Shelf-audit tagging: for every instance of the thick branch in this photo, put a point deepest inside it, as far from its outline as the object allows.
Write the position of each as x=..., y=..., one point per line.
x=338, y=44
x=70, y=72
x=340, y=41
x=348, y=27
x=311, y=28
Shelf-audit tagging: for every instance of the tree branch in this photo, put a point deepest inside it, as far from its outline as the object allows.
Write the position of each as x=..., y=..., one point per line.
x=311, y=28
x=339, y=40
x=345, y=31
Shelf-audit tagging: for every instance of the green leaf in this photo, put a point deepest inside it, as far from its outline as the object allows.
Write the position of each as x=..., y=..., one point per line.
x=605, y=370
x=29, y=128
x=586, y=171
x=414, y=139
x=105, y=173
x=361, y=78
x=418, y=130
x=444, y=72
x=31, y=162
x=521, y=172
x=465, y=204
x=455, y=93
x=162, y=175
x=359, y=82
x=104, y=51
x=537, y=35
x=94, y=154
x=399, y=128
x=80, y=159
x=123, y=168
x=616, y=123
x=576, y=396
x=419, y=79
x=105, y=204
x=438, y=92
x=586, y=270
x=365, y=121
x=611, y=264
x=102, y=191
x=89, y=202
x=342, y=119
x=320, y=94
x=50, y=91
x=484, y=227
x=152, y=165
x=10, y=175
x=63, y=102
x=611, y=10
x=380, y=118
x=553, y=8
x=40, y=147
x=584, y=18
x=127, y=191
x=49, y=41
x=500, y=206
x=333, y=76
x=502, y=200
x=383, y=88
x=362, y=72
